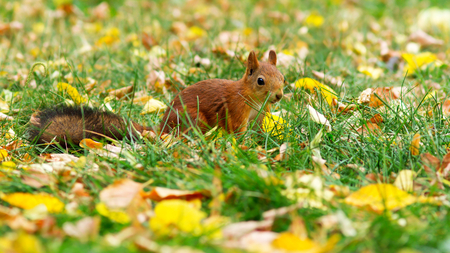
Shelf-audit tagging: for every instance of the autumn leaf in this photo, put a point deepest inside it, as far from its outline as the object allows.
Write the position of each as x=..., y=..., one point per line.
x=176, y=215
x=160, y=193
x=29, y=201
x=72, y=92
x=116, y=215
x=327, y=93
x=416, y=62
x=89, y=143
x=380, y=197
x=415, y=145
x=153, y=105
x=274, y=124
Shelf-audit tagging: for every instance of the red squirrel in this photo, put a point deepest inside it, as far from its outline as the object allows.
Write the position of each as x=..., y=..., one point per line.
x=229, y=104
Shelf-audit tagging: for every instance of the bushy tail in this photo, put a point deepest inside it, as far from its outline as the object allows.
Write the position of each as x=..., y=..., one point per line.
x=71, y=124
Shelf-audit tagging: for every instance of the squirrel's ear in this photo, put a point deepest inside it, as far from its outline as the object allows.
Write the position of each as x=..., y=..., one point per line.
x=252, y=63
x=273, y=57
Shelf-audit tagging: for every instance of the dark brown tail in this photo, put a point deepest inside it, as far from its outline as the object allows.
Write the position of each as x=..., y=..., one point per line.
x=71, y=124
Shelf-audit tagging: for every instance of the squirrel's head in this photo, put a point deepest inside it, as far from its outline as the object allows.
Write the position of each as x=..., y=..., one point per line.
x=264, y=79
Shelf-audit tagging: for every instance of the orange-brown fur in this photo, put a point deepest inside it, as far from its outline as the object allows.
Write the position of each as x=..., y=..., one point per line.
x=229, y=104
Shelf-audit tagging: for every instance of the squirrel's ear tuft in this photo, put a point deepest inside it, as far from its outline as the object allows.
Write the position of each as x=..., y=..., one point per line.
x=252, y=63
x=273, y=57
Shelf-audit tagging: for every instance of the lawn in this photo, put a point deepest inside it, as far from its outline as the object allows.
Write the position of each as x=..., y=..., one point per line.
x=354, y=158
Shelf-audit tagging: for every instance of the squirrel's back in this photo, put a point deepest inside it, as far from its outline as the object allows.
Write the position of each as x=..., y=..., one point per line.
x=64, y=124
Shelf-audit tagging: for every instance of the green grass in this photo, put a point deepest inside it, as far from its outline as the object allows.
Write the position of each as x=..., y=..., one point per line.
x=126, y=62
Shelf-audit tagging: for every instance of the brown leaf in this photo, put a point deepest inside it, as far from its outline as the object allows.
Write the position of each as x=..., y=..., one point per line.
x=415, y=144
x=120, y=193
x=369, y=127
x=122, y=92
x=101, y=11
x=84, y=229
x=446, y=108
x=424, y=39
x=376, y=119
x=375, y=97
x=430, y=162
x=37, y=179
x=338, y=81
x=89, y=143
x=160, y=193
x=148, y=41
x=239, y=229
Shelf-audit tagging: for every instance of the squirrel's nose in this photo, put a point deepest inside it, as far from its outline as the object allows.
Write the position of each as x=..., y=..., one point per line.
x=279, y=96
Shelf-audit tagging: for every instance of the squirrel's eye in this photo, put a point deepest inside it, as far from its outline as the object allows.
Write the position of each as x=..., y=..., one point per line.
x=260, y=81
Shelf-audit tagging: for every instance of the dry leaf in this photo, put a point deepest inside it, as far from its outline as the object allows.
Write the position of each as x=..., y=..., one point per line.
x=120, y=193
x=319, y=118
x=84, y=229
x=89, y=143
x=327, y=92
x=369, y=128
x=122, y=92
x=153, y=105
x=338, y=81
x=415, y=145
x=380, y=197
x=425, y=39
x=404, y=180
x=160, y=193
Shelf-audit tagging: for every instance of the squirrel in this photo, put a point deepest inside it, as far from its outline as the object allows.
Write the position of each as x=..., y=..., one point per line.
x=229, y=104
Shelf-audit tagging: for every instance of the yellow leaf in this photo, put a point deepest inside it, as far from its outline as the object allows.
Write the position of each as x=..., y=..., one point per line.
x=88, y=143
x=328, y=93
x=38, y=27
x=116, y=215
x=415, y=62
x=8, y=166
x=291, y=242
x=72, y=92
x=27, y=243
x=30, y=201
x=405, y=180
x=274, y=124
x=172, y=215
x=3, y=154
x=195, y=32
x=375, y=73
x=314, y=19
x=415, y=144
x=153, y=105
x=380, y=197
x=4, y=107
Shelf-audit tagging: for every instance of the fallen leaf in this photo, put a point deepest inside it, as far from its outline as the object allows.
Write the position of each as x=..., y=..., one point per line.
x=72, y=92
x=415, y=145
x=424, y=39
x=176, y=215
x=160, y=193
x=274, y=124
x=405, y=180
x=117, y=215
x=153, y=105
x=380, y=197
x=84, y=229
x=319, y=118
x=89, y=143
x=375, y=73
x=122, y=92
x=120, y=193
x=30, y=201
x=327, y=93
